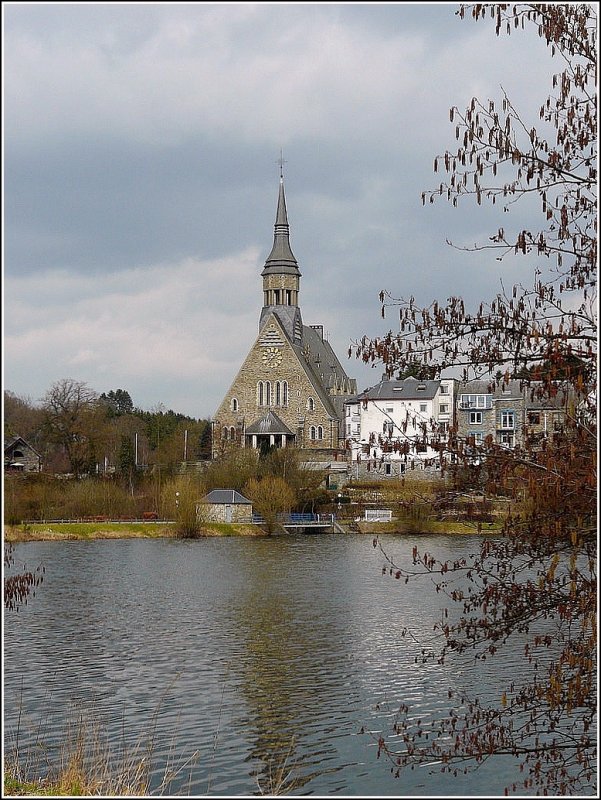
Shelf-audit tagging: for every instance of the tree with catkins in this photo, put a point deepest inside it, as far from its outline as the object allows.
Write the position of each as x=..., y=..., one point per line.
x=538, y=578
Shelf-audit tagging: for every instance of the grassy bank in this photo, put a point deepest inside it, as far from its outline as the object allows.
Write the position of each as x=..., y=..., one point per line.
x=429, y=527
x=65, y=531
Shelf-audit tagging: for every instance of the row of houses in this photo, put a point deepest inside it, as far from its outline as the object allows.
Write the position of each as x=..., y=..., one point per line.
x=400, y=425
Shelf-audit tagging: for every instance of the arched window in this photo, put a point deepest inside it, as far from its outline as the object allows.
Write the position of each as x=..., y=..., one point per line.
x=260, y=395
x=311, y=404
x=267, y=393
x=278, y=393
x=232, y=433
x=234, y=404
x=285, y=393
x=224, y=432
x=312, y=433
x=319, y=432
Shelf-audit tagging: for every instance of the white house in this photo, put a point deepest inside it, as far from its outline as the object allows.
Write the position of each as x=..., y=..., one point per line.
x=395, y=426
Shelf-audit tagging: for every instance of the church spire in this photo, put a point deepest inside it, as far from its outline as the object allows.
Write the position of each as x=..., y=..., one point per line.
x=281, y=260
x=281, y=275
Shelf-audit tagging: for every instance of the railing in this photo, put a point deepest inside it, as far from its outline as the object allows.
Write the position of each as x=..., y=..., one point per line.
x=378, y=515
x=99, y=519
x=298, y=519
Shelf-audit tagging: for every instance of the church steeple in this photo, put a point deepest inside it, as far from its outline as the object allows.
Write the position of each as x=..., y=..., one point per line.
x=281, y=260
x=281, y=275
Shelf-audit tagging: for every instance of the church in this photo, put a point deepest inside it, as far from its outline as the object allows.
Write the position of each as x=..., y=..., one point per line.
x=291, y=389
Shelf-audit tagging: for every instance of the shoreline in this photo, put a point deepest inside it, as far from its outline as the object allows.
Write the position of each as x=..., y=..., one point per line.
x=83, y=531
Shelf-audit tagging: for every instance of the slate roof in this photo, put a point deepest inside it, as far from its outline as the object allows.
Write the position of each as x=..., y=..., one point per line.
x=407, y=389
x=281, y=259
x=270, y=423
x=226, y=496
x=14, y=441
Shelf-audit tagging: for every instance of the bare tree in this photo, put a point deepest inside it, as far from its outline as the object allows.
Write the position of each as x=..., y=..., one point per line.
x=74, y=421
x=271, y=497
x=539, y=578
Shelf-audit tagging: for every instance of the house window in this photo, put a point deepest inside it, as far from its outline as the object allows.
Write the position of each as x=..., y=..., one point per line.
x=506, y=439
x=388, y=469
x=319, y=432
x=475, y=418
x=444, y=409
x=388, y=428
x=507, y=420
x=534, y=417
x=312, y=433
x=423, y=408
x=444, y=389
x=311, y=404
x=478, y=437
x=475, y=401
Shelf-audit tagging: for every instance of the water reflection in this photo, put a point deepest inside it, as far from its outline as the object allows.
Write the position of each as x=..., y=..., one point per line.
x=251, y=661
x=293, y=662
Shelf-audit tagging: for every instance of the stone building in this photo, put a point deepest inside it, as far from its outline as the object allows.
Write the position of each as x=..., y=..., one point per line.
x=224, y=505
x=19, y=456
x=291, y=388
x=512, y=415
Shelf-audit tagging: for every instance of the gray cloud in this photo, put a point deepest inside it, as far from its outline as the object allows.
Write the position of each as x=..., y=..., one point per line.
x=140, y=179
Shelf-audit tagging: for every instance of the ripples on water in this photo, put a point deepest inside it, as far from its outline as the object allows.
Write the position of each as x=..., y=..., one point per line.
x=237, y=654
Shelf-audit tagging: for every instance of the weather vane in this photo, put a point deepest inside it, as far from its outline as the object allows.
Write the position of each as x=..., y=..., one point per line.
x=281, y=161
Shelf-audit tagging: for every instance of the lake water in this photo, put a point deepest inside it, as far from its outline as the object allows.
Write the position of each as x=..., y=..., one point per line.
x=233, y=654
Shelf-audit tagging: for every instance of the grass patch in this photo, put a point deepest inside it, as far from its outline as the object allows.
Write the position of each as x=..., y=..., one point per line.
x=433, y=527
x=67, y=531
x=41, y=531
x=87, y=762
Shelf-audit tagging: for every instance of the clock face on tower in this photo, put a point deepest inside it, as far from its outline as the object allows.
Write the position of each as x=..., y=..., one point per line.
x=272, y=356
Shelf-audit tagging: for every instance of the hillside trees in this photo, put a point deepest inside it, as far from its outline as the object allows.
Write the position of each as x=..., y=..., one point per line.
x=88, y=435
x=538, y=580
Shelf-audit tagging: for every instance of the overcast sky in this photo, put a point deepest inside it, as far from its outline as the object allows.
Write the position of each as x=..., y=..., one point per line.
x=140, y=180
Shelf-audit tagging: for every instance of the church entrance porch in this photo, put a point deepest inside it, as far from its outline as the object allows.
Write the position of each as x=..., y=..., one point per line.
x=267, y=432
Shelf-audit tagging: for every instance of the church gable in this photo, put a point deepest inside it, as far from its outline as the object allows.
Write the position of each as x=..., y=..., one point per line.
x=275, y=377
